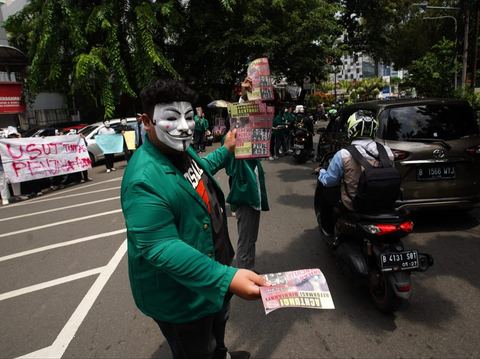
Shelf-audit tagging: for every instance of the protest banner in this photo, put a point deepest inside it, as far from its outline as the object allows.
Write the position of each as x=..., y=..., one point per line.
x=110, y=143
x=306, y=288
x=253, y=122
x=26, y=159
x=259, y=72
x=130, y=140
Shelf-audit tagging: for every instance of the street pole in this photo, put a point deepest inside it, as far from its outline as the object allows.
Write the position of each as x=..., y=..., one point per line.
x=465, y=51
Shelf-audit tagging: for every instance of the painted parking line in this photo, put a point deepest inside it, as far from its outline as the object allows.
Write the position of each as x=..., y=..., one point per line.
x=63, y=244
x=61, y=343
x=22, y=216
x=50, y=283
x=59, y=223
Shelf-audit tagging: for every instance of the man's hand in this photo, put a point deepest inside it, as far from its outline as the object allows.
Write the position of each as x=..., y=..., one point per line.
x=230, y=141
x=246, y=284
x=317, y=170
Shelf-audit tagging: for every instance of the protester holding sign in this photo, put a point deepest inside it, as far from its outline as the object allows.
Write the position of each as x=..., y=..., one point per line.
x=109, y=157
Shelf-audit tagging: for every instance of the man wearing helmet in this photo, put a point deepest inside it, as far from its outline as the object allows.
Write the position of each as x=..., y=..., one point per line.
x=362, y=128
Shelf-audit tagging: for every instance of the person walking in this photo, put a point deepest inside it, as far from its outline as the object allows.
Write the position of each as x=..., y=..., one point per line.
x=201, y=126
x=279, y=128
x=179, y=250
x=121, y=130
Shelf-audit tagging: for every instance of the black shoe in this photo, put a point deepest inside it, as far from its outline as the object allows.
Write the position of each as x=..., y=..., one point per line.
x=241, y=354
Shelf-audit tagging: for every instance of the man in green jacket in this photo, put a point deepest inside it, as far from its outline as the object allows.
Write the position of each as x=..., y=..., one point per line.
x=179, y=251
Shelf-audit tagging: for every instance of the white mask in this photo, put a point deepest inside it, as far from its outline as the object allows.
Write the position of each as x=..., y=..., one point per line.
x=174, y=124
x=123, y=122
x=107, y=124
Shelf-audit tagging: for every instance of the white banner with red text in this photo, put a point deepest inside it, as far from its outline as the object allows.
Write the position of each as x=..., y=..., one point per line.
x=26, y=159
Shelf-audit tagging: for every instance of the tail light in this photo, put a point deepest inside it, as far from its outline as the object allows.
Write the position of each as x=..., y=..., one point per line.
x=301, y=139
x=399, y=155
x=381, y=229
x=404, y=288
x=474, y=151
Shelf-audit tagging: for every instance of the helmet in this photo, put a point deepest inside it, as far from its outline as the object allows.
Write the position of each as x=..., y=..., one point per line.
x=362, y=124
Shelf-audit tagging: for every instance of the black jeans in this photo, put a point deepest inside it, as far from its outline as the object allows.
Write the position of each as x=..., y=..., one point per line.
x=328, y=198
x=203, y=338
x=199, y=141
x=109, y=160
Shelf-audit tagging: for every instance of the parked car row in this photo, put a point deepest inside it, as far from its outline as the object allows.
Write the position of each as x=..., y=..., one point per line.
x=436, y=144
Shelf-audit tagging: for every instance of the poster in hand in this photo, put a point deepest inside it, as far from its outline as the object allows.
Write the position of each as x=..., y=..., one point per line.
x=253, y=122
x=259, y=72
x=306, y=288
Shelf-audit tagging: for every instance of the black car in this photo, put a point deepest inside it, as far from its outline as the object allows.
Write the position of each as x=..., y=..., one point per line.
x=436, y=144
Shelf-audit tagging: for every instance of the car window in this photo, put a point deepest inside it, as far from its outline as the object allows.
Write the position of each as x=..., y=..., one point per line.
x=87, y=130
x=446, y=122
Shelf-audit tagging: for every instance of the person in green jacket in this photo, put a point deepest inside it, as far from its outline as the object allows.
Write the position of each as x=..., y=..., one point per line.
x=179, y=250
x=279, y=129
x=201, y=126
x=247, y=198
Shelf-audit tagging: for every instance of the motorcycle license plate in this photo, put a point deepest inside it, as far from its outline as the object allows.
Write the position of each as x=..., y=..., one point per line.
x=298, y=147
x=399, y=261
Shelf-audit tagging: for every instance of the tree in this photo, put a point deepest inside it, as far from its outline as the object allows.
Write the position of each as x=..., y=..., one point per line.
x=218, y=43
x=433, y=74
x=103, y=49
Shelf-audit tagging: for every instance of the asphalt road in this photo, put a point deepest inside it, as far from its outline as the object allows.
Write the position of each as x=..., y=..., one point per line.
x=64, y=289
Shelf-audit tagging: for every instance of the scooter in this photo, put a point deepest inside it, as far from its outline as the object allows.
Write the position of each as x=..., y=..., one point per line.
x=369, y=251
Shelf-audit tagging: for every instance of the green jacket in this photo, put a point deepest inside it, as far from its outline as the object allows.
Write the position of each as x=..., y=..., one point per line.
x=201, y=123
x=279, y=120
x=172, y=271
x=244, y=184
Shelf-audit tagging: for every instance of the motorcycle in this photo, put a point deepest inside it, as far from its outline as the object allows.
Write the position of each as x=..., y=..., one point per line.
x=369, y=251
x=301, y=152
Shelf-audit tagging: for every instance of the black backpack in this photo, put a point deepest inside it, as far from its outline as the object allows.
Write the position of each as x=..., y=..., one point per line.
x=378, y=187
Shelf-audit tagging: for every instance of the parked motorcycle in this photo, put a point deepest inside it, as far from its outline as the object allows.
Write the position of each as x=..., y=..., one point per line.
x=369, y=251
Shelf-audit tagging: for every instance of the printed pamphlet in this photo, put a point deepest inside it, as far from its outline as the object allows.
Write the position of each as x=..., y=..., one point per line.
x=259, y=72
x=306, y=288
x=253, y=121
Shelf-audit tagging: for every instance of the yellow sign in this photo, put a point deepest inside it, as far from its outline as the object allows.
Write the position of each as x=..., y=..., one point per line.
x=129, y=139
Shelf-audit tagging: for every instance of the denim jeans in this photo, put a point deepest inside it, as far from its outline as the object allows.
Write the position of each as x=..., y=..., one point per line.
x=202, y=338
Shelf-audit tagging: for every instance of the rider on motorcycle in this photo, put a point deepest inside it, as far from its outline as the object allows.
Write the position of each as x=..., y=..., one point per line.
x=303, y=120
x=362, y=128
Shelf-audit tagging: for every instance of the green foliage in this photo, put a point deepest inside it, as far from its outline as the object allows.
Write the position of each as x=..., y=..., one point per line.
x=102, y=49
x=433, y=74
x=468, y=94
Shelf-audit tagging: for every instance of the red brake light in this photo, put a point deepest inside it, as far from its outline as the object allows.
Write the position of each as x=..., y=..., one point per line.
x=399, y=155
x=475, y=150
x=386, y=228
x=407, y=226
x=404, y=288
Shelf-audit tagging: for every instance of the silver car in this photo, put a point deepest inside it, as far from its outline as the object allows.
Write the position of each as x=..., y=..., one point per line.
x=91, y=131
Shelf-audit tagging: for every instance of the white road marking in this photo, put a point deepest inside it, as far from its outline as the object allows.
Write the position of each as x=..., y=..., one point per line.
x=59, y=346
x=58, y=223
x=50, y=283
x=58, y=209
x=63, y=244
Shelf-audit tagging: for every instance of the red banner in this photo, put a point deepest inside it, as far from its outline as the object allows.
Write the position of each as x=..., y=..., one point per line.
x=10, y=98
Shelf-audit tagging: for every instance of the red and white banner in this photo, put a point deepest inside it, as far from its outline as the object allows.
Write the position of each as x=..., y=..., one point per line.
x=26, y=159
x=10, y=98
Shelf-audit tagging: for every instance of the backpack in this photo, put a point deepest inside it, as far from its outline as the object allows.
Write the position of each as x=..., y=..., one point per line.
x=378, y=187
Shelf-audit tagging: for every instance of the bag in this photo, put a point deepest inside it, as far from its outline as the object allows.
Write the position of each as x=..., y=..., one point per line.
x=378, y=187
